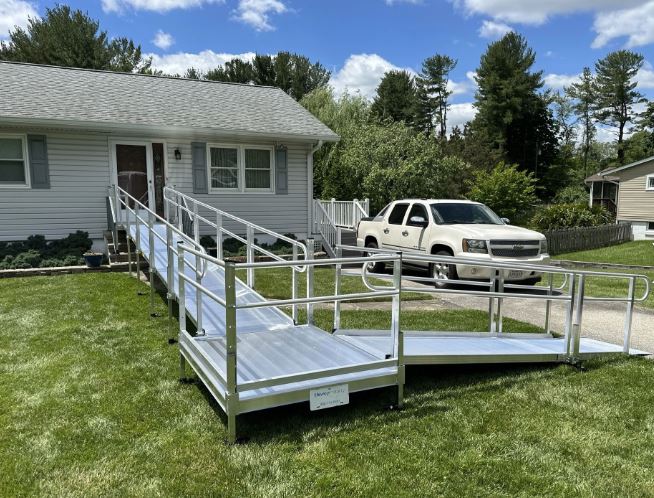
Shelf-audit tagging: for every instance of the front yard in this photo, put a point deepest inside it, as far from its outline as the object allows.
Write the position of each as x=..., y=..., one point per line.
x=92, y=406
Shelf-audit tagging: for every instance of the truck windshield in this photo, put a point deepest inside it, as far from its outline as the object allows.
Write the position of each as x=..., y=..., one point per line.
x=446, y=213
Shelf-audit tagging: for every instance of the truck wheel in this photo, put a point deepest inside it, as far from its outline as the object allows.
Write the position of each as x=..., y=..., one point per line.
x=442, y=272
x=374, y=267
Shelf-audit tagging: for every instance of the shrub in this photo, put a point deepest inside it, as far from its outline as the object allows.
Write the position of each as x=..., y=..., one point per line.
x=36, y=252
x=506, y=190
x=572, y=194
x=570, y=216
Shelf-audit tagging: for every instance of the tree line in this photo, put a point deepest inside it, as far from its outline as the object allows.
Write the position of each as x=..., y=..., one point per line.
x=398, y=144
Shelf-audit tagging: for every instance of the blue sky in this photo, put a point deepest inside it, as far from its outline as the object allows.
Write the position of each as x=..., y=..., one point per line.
x=358, y=40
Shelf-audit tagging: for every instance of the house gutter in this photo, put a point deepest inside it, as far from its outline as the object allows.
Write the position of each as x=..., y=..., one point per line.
x=312, y=151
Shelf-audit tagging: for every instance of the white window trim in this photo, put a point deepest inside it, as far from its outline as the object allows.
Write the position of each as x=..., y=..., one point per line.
x=240, y=158
x=647, y=180
x=26, y=164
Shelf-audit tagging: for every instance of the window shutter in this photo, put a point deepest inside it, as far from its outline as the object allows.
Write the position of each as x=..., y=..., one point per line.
x=199, y=167
x=281, y=170
x=37, y=149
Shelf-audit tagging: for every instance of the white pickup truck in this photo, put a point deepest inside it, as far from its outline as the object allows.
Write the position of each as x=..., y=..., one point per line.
x=455, y=228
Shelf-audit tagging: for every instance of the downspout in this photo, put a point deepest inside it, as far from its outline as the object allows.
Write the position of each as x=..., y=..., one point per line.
x=312, y=151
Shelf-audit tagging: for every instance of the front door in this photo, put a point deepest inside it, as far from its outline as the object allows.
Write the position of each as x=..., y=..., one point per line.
x=139, y=169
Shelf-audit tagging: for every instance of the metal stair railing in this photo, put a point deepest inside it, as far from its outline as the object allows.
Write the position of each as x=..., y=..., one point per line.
x=345, y=214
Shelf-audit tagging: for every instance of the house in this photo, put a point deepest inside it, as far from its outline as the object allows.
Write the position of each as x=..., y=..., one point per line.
x=628, y=192
x=67, y=134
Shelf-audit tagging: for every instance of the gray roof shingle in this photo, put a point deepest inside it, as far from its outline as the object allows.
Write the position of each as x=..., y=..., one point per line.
x=78, y=96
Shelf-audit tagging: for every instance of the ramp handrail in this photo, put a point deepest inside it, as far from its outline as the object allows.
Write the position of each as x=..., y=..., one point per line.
x=181, y=201
x=572, y=289
x=230, y=304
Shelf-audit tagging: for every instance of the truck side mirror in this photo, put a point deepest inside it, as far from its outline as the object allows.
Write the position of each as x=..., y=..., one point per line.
x=418, y=221
x=506, y=221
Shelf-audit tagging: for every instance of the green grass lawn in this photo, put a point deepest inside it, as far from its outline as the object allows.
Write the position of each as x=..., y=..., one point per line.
x=91, y=405
x=637, y=252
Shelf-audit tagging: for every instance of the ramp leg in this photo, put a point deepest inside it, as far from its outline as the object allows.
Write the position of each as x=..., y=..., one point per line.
x=171, y=336
x=129, y=254
x=231, y=427
x=182, y=367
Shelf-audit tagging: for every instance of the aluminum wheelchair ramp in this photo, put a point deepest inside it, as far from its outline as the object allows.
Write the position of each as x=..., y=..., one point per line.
x=440, y=348
x=250, y=354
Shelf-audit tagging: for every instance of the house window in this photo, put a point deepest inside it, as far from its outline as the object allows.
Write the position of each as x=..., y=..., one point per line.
x=649, y=185
x=241, y=168
x=224, y=165
x=257, y=169
x=13, y=164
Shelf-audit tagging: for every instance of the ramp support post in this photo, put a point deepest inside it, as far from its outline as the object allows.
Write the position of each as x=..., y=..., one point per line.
x=576, y=326
x=629, y=315
x=128, y=236
x=170, y=281
x=310, y=268
x=294, y=275
x=230, y=336
x=500, y=301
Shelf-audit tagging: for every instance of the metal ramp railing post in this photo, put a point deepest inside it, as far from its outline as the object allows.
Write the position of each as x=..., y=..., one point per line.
x=397, y=329
x=629, y=315
x=337, y=283
x=548, y=303
x=500, y=301
x=151, y=262
x=219, y=236
x=294, y=282
x=170, y=281
x=138, y=241
x=310, y=268
x=181, y=295
x=576, y=325
x=492, y=329
x=128, y=235
x=249, y=255
x=230, y=336
x=572, y=289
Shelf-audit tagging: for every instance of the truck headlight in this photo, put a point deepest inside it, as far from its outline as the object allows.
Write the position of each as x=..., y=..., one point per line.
x=543, y=246
x=475, y=245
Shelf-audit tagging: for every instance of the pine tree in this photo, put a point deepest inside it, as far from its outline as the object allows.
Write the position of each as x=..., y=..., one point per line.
x=511, y=112
x=396, y=97
x=433, y=92
x=65, y=37
x=584, y=95
x=616, y=91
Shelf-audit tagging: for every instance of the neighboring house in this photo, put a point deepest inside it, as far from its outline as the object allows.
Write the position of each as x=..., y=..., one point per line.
x=67, y=134
x=627, y=191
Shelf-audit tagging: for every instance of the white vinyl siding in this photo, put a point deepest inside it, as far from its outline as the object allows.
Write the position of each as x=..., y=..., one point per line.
x=80, y=174
x=14, y=171
x=281, y=213
x=76, y=199
x=635, y=200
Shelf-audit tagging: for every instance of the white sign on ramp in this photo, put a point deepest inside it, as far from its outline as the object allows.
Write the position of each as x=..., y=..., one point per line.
x=327, y=397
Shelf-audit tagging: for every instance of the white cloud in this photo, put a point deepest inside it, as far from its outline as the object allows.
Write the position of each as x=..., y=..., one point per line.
x=645, y=76
x=559, y=81
x=163, y=40
x=538, y=12
x=15, y=13
x=256, y=13
x=493, y=29
x=153, y=5
x=361, y=74
x=633, y=23
x=203, y=61
x=460, y=114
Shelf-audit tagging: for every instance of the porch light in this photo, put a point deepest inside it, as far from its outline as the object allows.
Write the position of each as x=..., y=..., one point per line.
x=178, y=154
